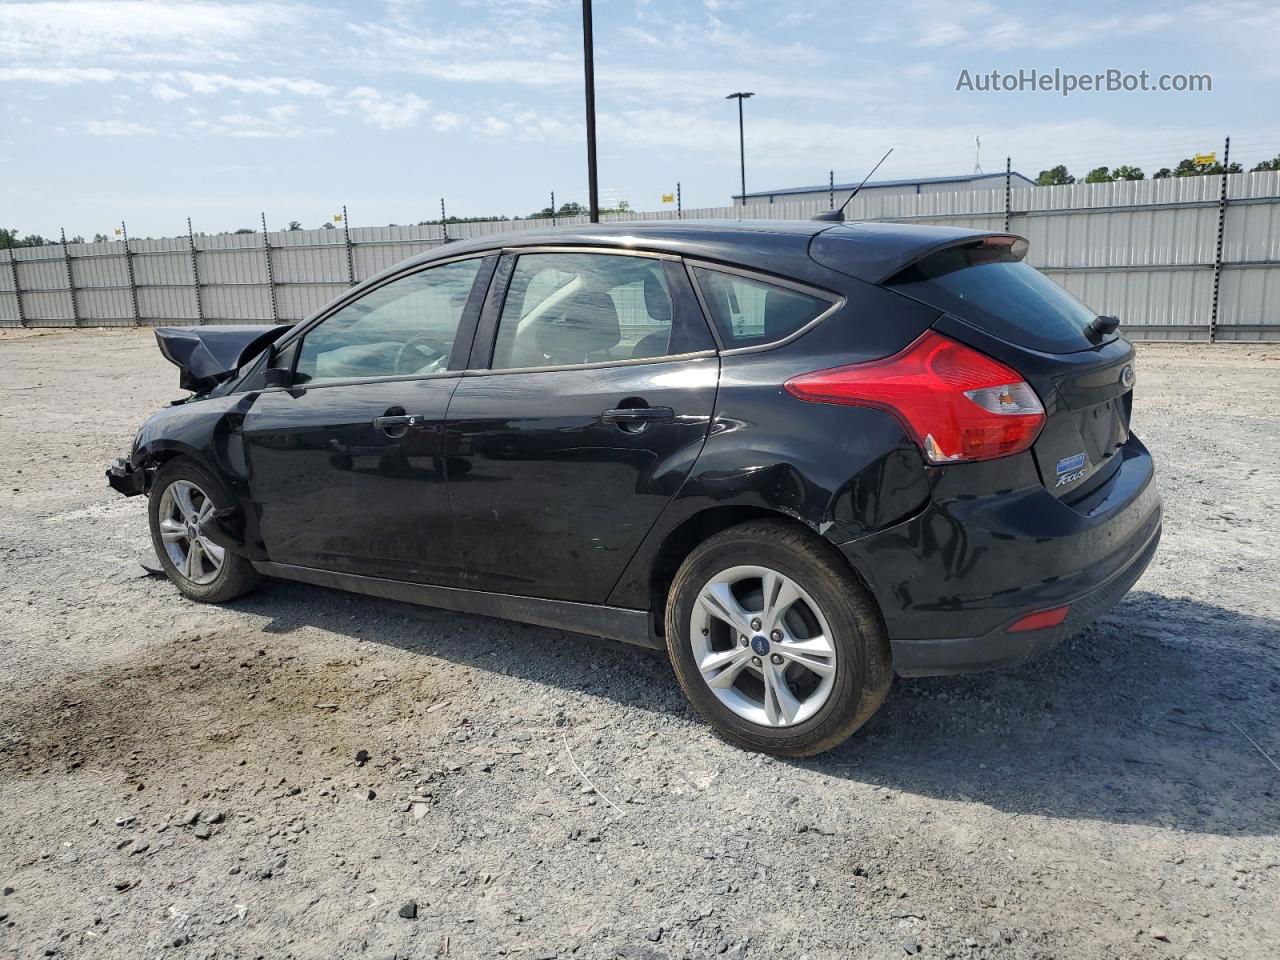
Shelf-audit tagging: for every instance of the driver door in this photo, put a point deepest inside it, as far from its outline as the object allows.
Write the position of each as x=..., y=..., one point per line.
x=348, y=465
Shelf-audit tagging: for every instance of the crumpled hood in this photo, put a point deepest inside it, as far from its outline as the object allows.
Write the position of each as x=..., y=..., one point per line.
x=208, y=355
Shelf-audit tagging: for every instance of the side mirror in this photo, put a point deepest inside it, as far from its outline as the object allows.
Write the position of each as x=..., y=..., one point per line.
x=276, y=377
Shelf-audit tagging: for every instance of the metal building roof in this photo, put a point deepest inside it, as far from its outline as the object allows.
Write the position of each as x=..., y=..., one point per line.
x=910, y=182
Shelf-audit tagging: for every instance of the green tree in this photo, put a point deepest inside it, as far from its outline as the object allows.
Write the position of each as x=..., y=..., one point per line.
x=294, y=225
x=1189, y=168
x=327, y=226
x=1267, y=165
x=245, y=230
x=1127, y=172
x=1056, y=176
x=1099, y=175
x=1164, y=173
x=10, y=239
x=101, y=238
x=78, y=238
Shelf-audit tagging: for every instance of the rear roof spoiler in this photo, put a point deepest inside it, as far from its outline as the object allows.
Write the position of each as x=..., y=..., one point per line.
x=875, y=252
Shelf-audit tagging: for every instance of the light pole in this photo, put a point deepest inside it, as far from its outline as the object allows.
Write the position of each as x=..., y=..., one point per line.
x=742, y=147
x=589, y=72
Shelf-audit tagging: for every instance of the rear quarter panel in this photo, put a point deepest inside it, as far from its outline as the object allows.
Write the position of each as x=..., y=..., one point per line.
x=840, y=470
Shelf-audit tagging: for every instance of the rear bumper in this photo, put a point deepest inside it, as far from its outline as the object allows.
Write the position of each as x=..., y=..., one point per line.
x=999, y=648
x=951, y=580
x=124, y=478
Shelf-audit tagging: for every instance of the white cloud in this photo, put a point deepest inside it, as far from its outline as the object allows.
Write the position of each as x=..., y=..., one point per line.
x=58, y=76
x=162, y=91
x=269, y=86
x=967, y=25
x=384, y=110
x=493, y=126
x=446, y=121
x=116, y=128
x=175, y=28
x=276, y=125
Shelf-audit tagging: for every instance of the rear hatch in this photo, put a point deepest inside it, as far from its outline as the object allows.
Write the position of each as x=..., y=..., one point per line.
x=994, y=302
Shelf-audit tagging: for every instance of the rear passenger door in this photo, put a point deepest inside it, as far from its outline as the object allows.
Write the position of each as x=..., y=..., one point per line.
x=590, y=393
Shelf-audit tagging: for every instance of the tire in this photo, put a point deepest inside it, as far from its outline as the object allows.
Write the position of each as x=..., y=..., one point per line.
x=859, y=667
x=214, y=581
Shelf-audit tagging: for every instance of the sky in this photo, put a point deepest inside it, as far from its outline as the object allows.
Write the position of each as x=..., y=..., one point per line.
x=151, y=112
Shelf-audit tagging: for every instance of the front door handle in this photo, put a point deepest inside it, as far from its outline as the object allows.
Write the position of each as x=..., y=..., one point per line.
x=398, y=426
x=638, y=415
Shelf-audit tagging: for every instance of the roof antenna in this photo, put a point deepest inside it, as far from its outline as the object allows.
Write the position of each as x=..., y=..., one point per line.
x=837, y=215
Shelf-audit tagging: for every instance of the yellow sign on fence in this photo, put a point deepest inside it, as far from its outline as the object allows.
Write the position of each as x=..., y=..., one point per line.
x=668, y=198
x=337, y=218
x=1204, y=159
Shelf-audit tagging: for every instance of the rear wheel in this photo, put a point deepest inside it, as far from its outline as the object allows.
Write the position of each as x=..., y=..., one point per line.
x=774, y=641
x=184, y=497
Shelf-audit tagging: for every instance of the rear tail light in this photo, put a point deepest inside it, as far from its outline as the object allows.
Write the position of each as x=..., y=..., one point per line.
x=957, y=403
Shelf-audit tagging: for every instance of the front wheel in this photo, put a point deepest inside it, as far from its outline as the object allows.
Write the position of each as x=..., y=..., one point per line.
x=184, y=497
x=774, y=640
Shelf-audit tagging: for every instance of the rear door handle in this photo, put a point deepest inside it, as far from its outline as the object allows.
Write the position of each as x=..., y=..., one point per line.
x=638, y=415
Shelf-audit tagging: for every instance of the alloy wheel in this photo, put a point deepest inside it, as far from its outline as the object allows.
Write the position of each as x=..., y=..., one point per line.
x=763, y=646
x=184, y=509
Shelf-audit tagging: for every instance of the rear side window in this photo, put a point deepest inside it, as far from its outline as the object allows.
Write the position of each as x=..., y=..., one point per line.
x=748, y=312
x=994, y=290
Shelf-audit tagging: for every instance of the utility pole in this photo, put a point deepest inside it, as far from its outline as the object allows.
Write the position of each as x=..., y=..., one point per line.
x=742, y=145
x=831, y=190
x=589, y=75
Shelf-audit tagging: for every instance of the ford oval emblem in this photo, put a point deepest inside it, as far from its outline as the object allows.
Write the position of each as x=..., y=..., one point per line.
x=1126, y=377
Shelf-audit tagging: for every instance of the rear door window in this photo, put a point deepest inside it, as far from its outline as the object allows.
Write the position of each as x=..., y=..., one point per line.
x=999, y=293
x=565, y=309
x=749, y=312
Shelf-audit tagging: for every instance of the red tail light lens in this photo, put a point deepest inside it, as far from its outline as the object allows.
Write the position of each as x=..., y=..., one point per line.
x=957, y=403
x=1040, y=620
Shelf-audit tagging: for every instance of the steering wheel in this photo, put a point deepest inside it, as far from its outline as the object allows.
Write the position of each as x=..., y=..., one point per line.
x=434, y=352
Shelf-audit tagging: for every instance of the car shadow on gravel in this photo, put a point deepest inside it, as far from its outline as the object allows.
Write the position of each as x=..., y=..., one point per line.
x=1140, y=719
x=1144, y=718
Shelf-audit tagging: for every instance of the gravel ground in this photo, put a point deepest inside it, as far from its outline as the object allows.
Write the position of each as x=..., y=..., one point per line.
x=306, y=773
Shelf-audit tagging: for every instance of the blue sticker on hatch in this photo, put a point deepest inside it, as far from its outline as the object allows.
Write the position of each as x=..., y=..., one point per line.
x=1067, y=464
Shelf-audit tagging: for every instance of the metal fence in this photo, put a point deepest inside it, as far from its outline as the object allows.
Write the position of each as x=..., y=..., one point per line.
x=1185, y=258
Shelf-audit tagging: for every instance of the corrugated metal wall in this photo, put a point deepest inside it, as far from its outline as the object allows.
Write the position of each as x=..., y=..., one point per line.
x=1146, y=251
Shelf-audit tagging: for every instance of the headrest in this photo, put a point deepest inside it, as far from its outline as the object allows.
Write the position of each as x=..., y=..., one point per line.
x=587, y=323
x=656, y=302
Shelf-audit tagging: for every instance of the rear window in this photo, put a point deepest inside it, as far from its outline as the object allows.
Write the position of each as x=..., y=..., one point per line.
x=999, y=293
x=749, y=312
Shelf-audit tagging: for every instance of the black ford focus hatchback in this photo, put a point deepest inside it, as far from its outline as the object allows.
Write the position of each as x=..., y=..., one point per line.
x=798, y=456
